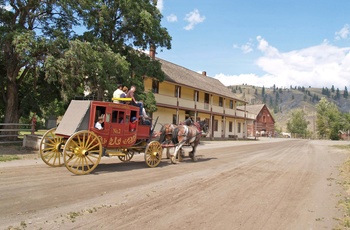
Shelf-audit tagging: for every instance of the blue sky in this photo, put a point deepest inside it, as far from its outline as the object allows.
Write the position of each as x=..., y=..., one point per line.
x=262, y=43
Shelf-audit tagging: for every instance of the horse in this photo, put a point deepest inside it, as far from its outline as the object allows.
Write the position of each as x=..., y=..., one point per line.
x=166, y=133
x=190, y=135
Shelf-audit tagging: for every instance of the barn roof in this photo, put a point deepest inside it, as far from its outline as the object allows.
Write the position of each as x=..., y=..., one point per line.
x=255, y=109
x=183, y=76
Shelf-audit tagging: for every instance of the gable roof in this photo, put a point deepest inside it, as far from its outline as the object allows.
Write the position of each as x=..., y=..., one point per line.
x=255, y=109
x=183, y=76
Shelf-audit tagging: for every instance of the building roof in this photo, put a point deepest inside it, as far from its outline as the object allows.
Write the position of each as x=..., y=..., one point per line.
x=254, y=109
x=183, y=76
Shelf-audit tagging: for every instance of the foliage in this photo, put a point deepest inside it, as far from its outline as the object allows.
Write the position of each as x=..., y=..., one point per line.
x=29, y=31
x=327, y=120
x=89, y=67
x=298, y=123
x=43, y=59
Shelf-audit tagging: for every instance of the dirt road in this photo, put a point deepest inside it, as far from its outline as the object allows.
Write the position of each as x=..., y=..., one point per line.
x=265, y=184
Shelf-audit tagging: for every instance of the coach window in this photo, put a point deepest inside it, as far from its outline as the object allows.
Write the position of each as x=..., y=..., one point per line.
x=100, y=111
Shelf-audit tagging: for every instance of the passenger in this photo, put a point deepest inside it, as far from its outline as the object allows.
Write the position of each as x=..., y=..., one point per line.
x=118, y=93
x=130, y=94
x=123, y=95
x=99, y=122
x=145, y=118
x=132, y=125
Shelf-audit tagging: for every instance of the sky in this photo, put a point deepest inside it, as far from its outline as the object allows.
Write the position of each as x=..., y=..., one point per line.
x=262, y=43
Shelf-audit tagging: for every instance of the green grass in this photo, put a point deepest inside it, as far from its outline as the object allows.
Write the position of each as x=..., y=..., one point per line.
x=4, y=158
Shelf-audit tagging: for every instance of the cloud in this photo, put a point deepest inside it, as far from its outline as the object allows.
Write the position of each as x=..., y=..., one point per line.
x=248, y=47
x=193, y=18
x=343, y=33
x=171, y=18
x=245, y=48
x=319, y=66
x=160, y=5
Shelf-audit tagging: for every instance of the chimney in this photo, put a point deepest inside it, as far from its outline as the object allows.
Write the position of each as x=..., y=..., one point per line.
x=152, y=51
x=204, y=73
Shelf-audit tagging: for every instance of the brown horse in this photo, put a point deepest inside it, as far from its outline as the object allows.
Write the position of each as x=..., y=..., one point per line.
x=189, y=135
x=166, y=135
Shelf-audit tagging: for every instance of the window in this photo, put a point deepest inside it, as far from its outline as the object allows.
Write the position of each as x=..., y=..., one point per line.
x=174, y=119
x=264, y=118
x=216, y=125
x=239, y=128
x=155, y=86
x=206, y=98
x=118, y=117
x=177, y=92
x=231, y=104
x=196, y=95
x=220, y=101
x=230, y=126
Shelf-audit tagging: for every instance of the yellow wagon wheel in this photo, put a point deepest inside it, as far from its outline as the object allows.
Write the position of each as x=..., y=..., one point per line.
x=51, y=148
x=82, y=152
x=153, y=154
x=128, y=155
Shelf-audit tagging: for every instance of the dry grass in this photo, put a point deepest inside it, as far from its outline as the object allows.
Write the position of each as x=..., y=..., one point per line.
x=344, y=203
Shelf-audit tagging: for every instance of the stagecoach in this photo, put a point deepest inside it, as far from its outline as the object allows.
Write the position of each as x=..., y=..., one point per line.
x=78, y=145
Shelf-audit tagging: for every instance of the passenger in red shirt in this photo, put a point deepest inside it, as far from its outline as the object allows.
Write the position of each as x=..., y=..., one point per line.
x=132, y=125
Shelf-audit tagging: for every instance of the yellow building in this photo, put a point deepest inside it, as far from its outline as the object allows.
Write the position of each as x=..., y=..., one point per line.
x=186, y=93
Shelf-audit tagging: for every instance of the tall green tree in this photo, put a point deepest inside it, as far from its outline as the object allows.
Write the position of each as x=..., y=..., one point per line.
x=126, y=26
x=327, y=121
x=298, y=123
x=87, y=68
x=33, y=30
x=29, y=31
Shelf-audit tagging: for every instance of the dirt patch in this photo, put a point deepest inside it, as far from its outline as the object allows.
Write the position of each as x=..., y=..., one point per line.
x=267, y=184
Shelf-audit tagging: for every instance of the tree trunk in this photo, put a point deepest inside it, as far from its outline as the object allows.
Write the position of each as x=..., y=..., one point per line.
x=12, y=108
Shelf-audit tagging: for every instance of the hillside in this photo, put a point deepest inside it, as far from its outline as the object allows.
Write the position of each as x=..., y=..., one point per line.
x=282, y=102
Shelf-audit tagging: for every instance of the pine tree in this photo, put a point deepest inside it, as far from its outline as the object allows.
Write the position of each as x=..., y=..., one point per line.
x=346, y=94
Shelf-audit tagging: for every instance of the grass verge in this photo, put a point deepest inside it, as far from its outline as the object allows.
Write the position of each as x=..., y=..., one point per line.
x=344, y=203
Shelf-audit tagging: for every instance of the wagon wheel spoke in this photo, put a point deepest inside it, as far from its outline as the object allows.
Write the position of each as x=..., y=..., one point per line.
x=127, y=157
x=153, y=154
x=82, y=152
x=51, y=148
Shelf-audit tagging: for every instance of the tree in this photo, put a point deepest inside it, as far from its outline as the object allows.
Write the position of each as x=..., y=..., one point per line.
x=298, y=123
x=29, y=31
x=87, y=67
x=337, y=94
x=33, y=30
x=327, y=120
x=346, y=93
x=128, y=27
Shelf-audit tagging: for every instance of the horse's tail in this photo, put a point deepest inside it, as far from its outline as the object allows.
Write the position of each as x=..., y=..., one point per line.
x=162, y=134
x=175, y=136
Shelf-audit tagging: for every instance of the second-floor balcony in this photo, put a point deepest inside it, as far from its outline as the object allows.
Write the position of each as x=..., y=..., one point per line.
x=190, y=104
